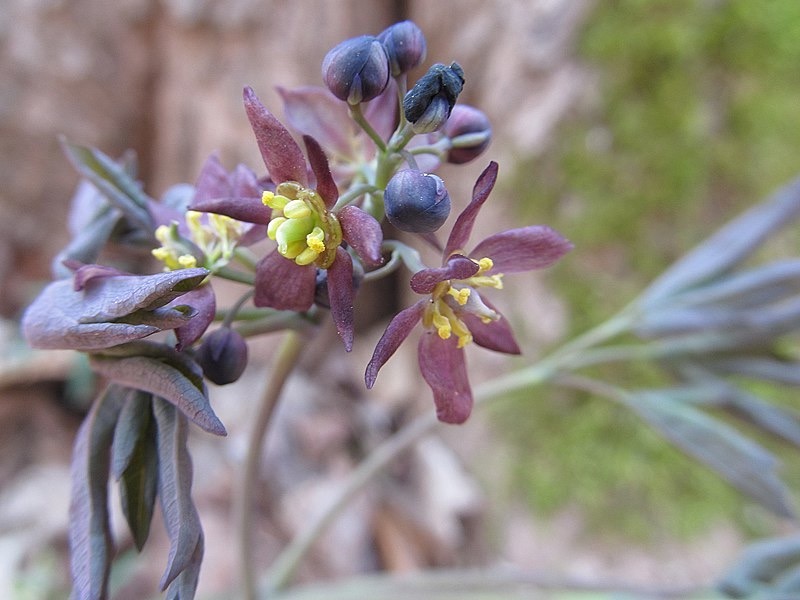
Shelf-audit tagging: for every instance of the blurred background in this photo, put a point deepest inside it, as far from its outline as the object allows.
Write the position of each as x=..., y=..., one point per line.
x=634, y=127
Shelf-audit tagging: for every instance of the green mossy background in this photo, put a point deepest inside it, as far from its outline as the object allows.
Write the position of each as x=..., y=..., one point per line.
x=696, y=116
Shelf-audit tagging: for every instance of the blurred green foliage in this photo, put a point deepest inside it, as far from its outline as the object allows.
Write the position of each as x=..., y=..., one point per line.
x=695, y=117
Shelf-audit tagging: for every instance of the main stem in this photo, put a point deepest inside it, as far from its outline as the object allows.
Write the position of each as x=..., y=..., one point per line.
x=285, y=361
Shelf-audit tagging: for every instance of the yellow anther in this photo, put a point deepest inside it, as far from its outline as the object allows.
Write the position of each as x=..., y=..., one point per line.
x=162, y=233
x=461, y=295
x=316, y=240
x=274, y=201
x=160, y=253
x=187, y=261
x=492, y=281
x=442, y=324
x=485, y=264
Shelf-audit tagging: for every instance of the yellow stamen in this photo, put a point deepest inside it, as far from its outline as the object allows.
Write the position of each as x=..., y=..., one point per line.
x=461, y=295
x=187, y=261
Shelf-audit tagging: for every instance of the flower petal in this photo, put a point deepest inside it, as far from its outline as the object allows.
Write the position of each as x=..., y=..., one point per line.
x=463, y=225
x=212, y=182
x=283, y=284
x=443, y=367
x=341, y=295
x=363, y=233
x=523, y=249
x=457, y=267
x=396, y=332
x=281, y=154
x=314, y=111
x=326, y=186
x=203, y=300
x=494, y=335
x=248, y=210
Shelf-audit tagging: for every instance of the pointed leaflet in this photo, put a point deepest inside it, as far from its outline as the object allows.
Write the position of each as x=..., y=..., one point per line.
x=162, y=378
x=523, y=249
x=184, y=586
x=462, y=228
x=729, y=245
x=281, y=154
x=135, y=464
x=111, y=179
x=746, y=465
x=89, y=530
x=396, y=333
x=175, y=491
x=443, y=367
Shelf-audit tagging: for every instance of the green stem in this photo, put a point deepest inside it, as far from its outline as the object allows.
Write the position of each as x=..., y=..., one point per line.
x=282, y=569
x=354, y=193
x=285, y=362
x=238, y=276
x=358, y=117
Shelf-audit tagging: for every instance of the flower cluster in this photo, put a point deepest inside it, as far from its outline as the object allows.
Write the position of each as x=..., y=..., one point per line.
x=352, y=155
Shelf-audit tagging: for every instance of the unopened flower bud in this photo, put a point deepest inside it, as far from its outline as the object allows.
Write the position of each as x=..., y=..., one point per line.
x=223, y=356
x=406, y=46
x=428, y=104
x=416, y=202
x=469, y=131
x=357, y=70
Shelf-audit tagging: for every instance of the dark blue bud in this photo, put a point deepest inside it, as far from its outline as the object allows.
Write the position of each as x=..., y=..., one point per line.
x=428, y=104
x=223, y=356
x=469, y=131
x=406, y=46
x=357, y=70
x=416, y=202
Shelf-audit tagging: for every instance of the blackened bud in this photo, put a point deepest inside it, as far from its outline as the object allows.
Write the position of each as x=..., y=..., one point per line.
x=406, y=46
x=416, y=202
x=428, y=104
x=469, y=131
x=223, y=356
x=357, y=70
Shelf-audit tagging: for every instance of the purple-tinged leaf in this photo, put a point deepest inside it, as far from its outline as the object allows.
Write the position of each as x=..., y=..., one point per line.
x=462, y=228
x=180, y=360
x=111, y=179
x=184, y=586
x=456, y=267
x=90, y=540
x=363, y=233
x=325, y=185
x=316, y=112
x=396, y=333
x=746, y=465
x=729, y=245
x=175, y=491
x=761, y=562
x=757, y=367
x=162, y=379
x=86, y=244
x=135, y=464
x=523, y=249
x=282, y=156
x=341, y=296
x=86, y=273
x=108, y=311
x=203, y=300
x=494, y=335
x=282, y=284
x=444, y=368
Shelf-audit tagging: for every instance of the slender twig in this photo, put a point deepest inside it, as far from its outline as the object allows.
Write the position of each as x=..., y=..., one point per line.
x=358, y=117
x=285, y=362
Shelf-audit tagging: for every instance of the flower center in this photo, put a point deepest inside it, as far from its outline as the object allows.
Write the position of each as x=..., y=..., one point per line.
x=455, y=297
x=301, y=225
x=214, y=235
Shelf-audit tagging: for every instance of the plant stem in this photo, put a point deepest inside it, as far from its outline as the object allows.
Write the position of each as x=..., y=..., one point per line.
x=285, y=361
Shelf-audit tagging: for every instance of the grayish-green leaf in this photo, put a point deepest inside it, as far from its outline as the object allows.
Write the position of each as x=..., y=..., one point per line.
x=761, y=563
x=175, y=487
x=113, y=181
x=745, y=464
x=184, y=586
x=85, y=245
x=135, y=464
x=99, y=316
x=161, y=379
x=728, y=246
x=89, y=531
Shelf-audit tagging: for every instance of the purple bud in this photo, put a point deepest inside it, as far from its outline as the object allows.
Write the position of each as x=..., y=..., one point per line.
x=357, y=70
x=428, y=104
x=469, y=131
x=416, y=202
x=223, y=356
x=405, y=44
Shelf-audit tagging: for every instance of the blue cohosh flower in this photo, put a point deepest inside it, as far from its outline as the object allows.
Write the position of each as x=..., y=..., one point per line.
x=428, y=104
x=356, y=70
x=454, y=312
x=405, y=44
x=416, y=202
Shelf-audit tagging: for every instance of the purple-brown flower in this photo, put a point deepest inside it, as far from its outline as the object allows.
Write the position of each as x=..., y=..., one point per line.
x=454, y=313
x=302, y=222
